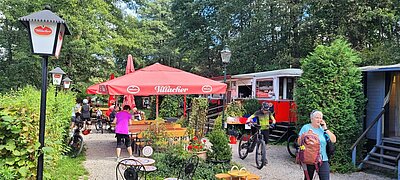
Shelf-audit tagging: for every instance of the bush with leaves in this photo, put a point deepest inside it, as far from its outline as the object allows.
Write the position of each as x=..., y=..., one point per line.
x=19, y=124
x=220, y=150
x=234, y=109
x=331, y=83
x=170, y=106
x=218, y=122
x=250, y=106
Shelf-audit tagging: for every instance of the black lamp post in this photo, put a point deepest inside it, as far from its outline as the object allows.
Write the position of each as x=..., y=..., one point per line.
x=226, y=57
x=57, y=74
x=46, y=31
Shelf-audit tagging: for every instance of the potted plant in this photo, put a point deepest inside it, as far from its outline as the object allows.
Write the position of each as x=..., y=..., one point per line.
x=198, y=147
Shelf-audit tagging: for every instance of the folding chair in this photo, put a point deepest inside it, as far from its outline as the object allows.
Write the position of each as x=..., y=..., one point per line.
x=130, y=169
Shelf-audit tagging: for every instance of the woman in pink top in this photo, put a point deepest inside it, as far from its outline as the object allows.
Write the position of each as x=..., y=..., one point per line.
x=122, y=120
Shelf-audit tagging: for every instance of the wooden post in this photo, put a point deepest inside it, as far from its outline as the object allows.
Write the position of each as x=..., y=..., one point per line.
x=156, y=106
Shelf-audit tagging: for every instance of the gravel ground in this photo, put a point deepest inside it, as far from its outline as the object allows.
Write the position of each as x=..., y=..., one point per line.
x=101, y=161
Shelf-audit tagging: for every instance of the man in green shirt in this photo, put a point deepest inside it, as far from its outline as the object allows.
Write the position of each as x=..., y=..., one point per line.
x=264, y=115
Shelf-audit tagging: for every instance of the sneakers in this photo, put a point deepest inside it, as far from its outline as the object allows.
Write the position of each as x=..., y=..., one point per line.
x=131, y=157
x=117, y=160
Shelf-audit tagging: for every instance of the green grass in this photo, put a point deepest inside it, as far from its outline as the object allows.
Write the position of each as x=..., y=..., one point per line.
x=70, y=168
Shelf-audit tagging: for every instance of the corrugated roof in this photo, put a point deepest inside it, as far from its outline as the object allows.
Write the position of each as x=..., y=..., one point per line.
x=394, y=67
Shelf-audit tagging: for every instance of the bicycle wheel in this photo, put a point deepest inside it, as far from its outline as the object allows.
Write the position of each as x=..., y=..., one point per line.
x=243, y=146
x=96, y=125
x=101, y=126
x=261, y=154
x=292, y=145
x=76, y=145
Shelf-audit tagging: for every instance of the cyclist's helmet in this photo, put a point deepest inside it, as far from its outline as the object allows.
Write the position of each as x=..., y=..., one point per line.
x=85, y=101
x=265, y=106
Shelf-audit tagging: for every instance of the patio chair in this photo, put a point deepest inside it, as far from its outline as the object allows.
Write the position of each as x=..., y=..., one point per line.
x=188, y=169
x=130, y=169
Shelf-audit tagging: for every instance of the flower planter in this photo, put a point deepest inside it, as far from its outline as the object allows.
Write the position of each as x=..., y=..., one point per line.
x=202, y=155
x=232, y=139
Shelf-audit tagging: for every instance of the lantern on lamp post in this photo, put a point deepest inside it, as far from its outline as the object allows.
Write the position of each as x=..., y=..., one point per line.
x=57, y=74
x=46, y=31
x=67, y=82
x=226, y=57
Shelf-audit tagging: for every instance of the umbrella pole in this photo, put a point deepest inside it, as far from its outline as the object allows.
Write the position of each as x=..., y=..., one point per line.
x=156, y=106
x=184, y=105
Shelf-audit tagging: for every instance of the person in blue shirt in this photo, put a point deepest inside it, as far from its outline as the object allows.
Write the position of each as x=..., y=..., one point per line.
x=318, y=126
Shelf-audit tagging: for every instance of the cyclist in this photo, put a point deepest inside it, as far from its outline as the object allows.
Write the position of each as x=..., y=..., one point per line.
x=264, y=115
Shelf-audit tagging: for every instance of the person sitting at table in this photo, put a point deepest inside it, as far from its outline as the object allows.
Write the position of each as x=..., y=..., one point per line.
x=122, y=121
x=138, y=115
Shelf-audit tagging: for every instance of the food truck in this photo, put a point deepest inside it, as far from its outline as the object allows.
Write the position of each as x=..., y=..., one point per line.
x=275, y=86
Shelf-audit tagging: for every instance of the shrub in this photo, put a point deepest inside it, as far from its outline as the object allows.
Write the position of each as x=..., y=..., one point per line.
x=250, y=106
x=170, y=106
x=218, y=122
x=234, y=109
x=332, y=84
x=19, y=124
x=170, y=163
x=220, y=150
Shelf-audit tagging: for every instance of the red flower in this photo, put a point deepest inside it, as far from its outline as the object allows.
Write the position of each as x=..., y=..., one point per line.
x=197, y=145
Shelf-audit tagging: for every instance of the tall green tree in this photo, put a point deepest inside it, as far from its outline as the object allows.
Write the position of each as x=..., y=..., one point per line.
x=102, y=37
x=331, y=83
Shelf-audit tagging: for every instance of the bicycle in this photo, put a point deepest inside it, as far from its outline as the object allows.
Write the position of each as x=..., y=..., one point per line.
x=100, y=124
x=76, y=140
x=292, y=145
x=247, y=145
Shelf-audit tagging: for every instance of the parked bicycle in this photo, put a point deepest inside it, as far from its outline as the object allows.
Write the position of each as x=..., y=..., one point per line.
x=292, y=145
x=100, y=122
x=76, y=140
x=247, y=145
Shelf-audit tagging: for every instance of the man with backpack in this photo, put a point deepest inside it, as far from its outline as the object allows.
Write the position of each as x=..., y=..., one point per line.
x=85, y=113
x=312, y=153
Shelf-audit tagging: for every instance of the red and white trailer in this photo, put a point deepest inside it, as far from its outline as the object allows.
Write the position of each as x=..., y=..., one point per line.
x=275, y=86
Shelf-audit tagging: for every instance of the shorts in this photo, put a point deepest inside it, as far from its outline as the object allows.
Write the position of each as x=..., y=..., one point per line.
x=73, y=119
x=87, y=120
x=126, y=138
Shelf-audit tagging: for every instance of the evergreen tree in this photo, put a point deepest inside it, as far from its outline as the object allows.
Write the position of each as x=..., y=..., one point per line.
x=332, y=84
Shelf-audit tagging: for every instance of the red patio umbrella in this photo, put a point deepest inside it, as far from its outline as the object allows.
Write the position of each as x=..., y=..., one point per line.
x=158, y=79
x=130, y=68
x=111, y=99
x=92, y=89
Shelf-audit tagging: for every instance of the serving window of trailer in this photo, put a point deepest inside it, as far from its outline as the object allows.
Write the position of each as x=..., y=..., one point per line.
x=264, y=88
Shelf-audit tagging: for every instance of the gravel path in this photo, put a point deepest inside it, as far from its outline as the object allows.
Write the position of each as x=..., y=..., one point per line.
x=100, y=162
